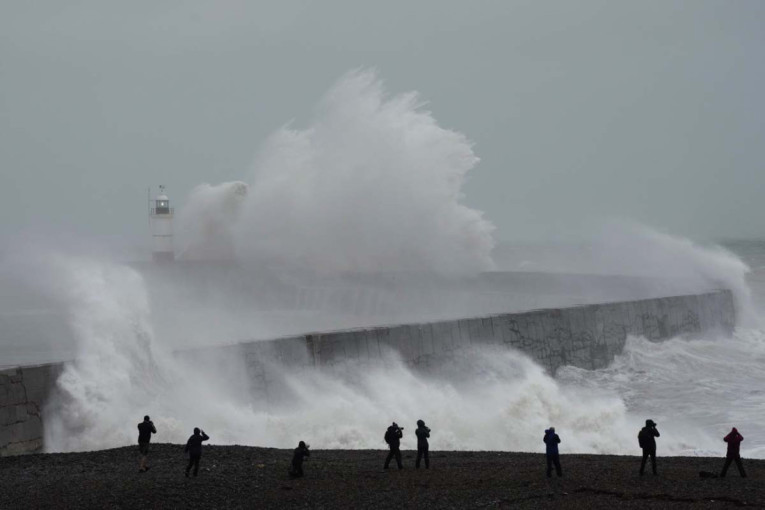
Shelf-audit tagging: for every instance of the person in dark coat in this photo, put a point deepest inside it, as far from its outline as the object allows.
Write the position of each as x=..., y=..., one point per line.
x=647, y=439
x=145, y=430
x=393, y=437
x=551, y=440
x=422, y=433
x=734, y=452
x=300, y=454
x=194, y=449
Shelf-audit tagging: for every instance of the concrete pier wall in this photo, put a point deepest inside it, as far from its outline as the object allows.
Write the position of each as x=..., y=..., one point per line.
x=23, y=393
x=585, y=336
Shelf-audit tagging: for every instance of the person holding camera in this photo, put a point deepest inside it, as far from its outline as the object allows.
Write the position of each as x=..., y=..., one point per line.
x=647, y=440
x=300, y=454
x=145, y=430
x=393, y=437
x=422, y=433
x=551, y=440
x=194, y=449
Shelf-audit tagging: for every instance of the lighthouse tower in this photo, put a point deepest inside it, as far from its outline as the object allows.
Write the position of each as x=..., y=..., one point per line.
x=161, y=215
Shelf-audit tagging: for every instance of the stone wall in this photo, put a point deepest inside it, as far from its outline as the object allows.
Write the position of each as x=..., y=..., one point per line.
x=585, y=336
x=23, y=392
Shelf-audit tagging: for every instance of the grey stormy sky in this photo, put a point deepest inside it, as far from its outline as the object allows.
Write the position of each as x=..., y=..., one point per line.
x=579, y=111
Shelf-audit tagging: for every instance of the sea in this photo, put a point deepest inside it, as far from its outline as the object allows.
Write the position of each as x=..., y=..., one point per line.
x=696, y=389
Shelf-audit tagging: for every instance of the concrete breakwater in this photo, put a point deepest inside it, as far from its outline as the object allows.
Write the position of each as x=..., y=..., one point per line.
x=23, y=394
x=585, y=336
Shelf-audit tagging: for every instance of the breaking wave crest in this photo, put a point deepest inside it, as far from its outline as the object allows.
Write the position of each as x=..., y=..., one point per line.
x=372, y=184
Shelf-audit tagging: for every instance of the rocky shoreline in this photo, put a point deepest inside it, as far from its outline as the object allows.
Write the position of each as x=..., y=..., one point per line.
x=250, y=477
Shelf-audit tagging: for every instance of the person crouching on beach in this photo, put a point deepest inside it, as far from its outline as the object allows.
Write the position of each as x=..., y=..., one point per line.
x=299, y=455
x=551, y=440
x=647, y=440
x=194, y=449
x=734, y=452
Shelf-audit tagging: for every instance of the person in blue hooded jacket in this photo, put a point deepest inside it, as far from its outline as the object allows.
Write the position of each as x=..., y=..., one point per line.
x=551, y=440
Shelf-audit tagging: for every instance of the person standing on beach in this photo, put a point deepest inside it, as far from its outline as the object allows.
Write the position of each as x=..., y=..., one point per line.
x=647, y=439
x=194, y=449
x=299, y=455
x=422, y=433
x=145, y=430
x=551, y=440
x=734, y=452
x=393, y=437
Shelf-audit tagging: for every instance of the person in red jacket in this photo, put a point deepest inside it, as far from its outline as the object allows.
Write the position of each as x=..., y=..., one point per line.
x=734, y=452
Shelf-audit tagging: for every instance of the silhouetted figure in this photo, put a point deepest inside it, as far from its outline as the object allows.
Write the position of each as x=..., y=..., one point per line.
x=734, y=452
x=393, y=437
x=194, y=449
x=145, y=430
x=422, y=433
x=647, y=439
x=551, y=440
x=300, y=454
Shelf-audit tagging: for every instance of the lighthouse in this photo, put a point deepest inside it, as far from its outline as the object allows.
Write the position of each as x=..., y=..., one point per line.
x=161, y=215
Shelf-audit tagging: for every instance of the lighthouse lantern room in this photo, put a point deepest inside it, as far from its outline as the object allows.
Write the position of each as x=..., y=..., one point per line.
x=161, y=215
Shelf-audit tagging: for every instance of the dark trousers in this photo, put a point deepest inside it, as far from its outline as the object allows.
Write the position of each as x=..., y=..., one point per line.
x=739, y=465
x=394, y=452
x=193, y=461
x=296, y=470
x=422, y=451
x=648, y=453
x=553, y=459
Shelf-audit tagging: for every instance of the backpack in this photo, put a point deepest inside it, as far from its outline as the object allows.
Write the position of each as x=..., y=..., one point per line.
x=641, y=439
x=388, y=436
